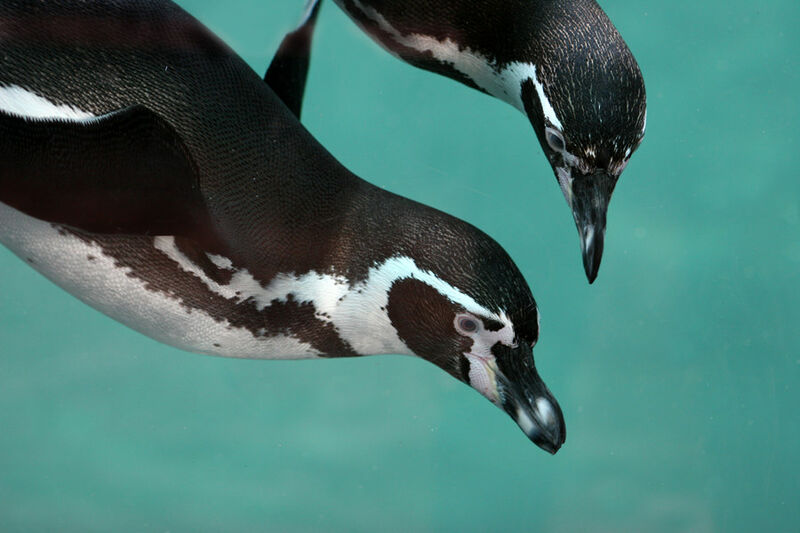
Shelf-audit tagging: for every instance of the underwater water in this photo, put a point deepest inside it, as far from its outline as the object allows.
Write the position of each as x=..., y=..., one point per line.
x=678, y=370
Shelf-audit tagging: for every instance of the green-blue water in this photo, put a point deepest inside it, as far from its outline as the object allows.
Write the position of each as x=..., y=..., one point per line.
x=677, y=370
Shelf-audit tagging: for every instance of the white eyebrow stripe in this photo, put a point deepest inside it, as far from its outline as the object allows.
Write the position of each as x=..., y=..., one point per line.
x=547, y=108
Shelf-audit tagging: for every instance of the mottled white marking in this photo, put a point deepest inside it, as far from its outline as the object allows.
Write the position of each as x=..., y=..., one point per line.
x=83, y=270
x=24, y=103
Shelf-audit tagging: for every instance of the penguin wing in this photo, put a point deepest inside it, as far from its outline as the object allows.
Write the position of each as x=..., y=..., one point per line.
x=126, y=172
x=288, y=71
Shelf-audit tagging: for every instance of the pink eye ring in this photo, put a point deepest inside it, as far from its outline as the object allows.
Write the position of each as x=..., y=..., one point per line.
x=466, y=324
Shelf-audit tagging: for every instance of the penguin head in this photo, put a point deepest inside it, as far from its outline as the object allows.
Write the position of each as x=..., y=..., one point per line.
x=585, y=98
x=470, y=312
x=561, y=62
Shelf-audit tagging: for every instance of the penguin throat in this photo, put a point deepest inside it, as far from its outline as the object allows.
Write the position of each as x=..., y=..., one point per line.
x=482, y=362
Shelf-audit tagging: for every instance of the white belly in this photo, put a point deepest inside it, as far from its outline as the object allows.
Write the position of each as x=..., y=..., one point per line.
x=81, y=268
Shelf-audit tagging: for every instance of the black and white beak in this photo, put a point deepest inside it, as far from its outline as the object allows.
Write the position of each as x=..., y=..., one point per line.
x=531, y=404
x=588, y=197
x=512, y=383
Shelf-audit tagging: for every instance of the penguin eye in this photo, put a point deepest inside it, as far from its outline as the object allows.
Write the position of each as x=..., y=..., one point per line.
x=465, y=324
x=555, y=139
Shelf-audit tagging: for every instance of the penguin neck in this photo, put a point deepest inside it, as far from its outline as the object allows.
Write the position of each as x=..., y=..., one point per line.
x=385, y=240
x=493, y=56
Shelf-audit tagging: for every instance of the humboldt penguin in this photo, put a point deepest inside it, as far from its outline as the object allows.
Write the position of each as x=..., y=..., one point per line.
x=149, y=171
x=561, y=62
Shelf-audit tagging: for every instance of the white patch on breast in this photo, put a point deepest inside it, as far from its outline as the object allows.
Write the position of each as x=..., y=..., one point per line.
x=110, y=288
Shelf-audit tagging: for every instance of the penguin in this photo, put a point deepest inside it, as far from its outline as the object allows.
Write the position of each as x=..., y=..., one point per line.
x=149, y=171
x=561, y=62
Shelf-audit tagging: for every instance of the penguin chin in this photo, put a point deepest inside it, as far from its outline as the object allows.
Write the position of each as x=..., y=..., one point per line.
x=482, y=376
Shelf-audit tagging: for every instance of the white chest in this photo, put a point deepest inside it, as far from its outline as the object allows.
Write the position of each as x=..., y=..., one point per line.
x=84, y=270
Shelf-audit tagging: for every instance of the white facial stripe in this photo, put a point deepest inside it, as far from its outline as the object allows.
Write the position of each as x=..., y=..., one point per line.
x=23, y=103
x=401, y=267
x=362, y=318
x=547, y=108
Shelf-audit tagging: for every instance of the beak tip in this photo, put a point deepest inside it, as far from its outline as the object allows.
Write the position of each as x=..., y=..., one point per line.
x=550, y=443
x=592, y=254
x=589, y=198
x=591, y=273
x=546, y=428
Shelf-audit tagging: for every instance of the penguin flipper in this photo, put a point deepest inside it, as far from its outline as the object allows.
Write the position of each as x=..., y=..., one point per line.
x=126, y=172
x=288, y=71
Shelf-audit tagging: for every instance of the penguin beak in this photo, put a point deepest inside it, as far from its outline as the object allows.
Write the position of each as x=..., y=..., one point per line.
x=589, y=196
x=531, y=404
x=515, y=386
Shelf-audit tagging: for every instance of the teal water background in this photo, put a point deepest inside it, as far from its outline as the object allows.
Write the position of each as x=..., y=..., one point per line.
x=677, y=370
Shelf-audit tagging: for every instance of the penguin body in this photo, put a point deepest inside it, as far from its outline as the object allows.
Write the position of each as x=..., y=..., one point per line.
x=146, y=169
x=562, y=63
